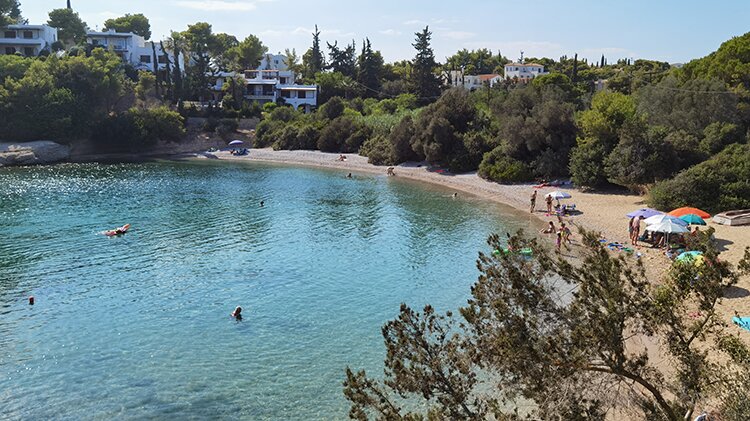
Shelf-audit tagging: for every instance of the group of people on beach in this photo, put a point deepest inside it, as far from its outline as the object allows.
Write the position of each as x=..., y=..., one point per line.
x=562, y=235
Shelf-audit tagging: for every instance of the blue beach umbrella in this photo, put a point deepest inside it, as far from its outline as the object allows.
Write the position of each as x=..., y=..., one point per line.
x=645, y=212
x=693, y=219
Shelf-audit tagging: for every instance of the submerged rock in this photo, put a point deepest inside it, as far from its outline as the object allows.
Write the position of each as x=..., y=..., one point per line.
x=31, y=153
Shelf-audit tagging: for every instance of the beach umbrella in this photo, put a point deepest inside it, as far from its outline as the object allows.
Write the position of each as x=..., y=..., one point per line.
x=559, y=195
x=689, y=255
x=684, y=211
x=693, y=219
x=645, y=212
x=236, y=143
x=669, y=227
x=657, y=219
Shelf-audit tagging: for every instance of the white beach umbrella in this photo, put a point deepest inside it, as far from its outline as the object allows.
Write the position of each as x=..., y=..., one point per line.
x=559, y=195
x=668, y=227
x=658, y=219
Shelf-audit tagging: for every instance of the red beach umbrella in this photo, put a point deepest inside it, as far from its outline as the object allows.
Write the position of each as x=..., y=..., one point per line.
x=685, y=211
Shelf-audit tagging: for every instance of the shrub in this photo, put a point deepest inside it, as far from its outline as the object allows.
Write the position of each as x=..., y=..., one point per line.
x=332, y=109
x=719, y=184
x=587, y=164
x=333, y=137
x=138, y=129
x=400, y=139
x=497, y=166
x=266, y=132
x=286, y=139
x=378, y=150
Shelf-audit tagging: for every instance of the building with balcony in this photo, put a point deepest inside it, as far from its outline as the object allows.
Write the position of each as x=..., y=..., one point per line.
x=132, y=48
x=273, y=82
x=523, y=72
x=473, y=82
x=28, y=40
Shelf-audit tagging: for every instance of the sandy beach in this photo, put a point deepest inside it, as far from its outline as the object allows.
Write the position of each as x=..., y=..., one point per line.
x=601, y=212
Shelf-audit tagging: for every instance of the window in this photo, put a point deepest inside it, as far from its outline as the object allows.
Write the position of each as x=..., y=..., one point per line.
x=163, y=59
x=301, y=94
x=145, y=59
x=9, y=34
x=282, y=80
x=28, y=51
x=285, y=94
x=10, y=50
x=28, y=34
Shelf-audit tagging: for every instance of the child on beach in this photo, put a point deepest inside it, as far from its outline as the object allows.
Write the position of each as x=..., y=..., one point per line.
x=558, y=241
x=566, y=234
x=533, y=201
x=550, y=229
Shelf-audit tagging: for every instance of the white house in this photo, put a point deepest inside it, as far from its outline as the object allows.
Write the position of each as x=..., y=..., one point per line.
x=473, y=82
x=29, y=40
x=272, y=81
x=131, y=48
x=524, y=72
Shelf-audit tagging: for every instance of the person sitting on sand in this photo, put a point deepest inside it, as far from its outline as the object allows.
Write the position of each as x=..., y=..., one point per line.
x=237, y=313
x=550, y=229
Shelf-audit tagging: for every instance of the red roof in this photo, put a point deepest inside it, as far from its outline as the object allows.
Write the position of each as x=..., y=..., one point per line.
x=488, y=77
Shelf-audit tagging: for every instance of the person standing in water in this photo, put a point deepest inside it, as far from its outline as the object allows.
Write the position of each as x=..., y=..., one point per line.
x=237, y=313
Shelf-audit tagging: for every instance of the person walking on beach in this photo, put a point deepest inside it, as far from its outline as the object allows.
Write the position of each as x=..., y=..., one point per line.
x=558, y=241
x=566, y=235
x=548, y=199
x=533, y=201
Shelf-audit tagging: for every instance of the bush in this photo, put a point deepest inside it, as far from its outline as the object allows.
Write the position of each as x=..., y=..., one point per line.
x=587, y=164
x=266, y=132
x=722, y=183
x=333, y=137
x=496, y=166
x=210, y=125
x=138, y=129
x=332, y=109
x=378, y=150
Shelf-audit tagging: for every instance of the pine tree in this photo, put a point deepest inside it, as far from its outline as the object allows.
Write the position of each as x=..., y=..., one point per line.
x=313, y=60
x=344, y=60
x=370, y=68
x=574, y=77
x=426, y=84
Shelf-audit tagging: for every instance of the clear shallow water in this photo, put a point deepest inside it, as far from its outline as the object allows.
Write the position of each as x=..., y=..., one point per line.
x=139, y=326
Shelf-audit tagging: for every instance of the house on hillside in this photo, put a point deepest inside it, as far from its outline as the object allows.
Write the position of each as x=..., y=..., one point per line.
x=132, y=48
x=28, y=40
x=523, y=72
x=272, y=81
x=472, y=82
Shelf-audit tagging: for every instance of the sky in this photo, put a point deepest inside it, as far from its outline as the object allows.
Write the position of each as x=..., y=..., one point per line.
x=675, y=31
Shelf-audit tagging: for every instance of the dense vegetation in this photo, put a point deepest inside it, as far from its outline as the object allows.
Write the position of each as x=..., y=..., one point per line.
x=651, y=122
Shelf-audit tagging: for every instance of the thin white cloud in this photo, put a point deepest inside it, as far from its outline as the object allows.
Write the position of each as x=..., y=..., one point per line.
x=512, y=49
x=415, y=22
x=218, y=5
x=458, y=35
x=301, y=30
x=390, y=32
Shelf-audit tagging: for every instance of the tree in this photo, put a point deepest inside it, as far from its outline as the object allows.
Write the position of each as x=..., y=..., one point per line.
x=343, y=60
x=313, y=61
x=292, y=62
x=425, y=81
x=136, y=23
x=223, y=55
x=10, y=12
x=71, y=30
x=248, y=53
x=561, y=336
x=200, y=43
x=370, y=69
x=176, y=43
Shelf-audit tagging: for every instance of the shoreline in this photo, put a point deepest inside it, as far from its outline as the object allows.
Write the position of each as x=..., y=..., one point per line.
x=600, y=212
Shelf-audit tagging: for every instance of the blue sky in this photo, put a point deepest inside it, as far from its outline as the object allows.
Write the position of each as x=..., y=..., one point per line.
x=668, y=30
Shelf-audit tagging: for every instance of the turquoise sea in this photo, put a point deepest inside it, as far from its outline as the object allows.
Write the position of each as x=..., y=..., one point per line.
x=139, y=326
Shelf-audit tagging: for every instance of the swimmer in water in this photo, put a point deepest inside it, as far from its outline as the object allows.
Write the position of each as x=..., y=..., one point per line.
x=455, y=195
x=237, y=313
x=349, y=175
x=261, y=203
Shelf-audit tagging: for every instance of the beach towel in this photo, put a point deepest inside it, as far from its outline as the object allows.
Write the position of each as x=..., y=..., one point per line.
x=743, y=322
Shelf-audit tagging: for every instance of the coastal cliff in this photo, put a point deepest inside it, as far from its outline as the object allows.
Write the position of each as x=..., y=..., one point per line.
x=31, y=153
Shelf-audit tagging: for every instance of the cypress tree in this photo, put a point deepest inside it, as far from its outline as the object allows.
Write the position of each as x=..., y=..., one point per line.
x=425, y=83
x=574, y=76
